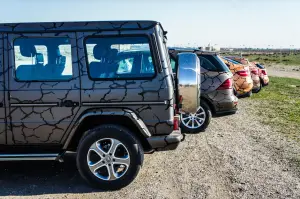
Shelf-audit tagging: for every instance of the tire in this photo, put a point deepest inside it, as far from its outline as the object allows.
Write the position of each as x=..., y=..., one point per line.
x=258, y=89
x=262, y=83
x=104, y=135
x=208, y=115
x=249, y=94
x=234, y=92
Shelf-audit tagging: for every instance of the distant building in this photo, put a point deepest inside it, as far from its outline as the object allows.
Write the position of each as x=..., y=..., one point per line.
x=211, y=48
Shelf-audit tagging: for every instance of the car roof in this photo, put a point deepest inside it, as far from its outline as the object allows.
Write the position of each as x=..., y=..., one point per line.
x=193, y=50
x=77, y=26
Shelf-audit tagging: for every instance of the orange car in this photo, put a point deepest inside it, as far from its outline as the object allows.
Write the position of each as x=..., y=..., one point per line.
x=264, y=78
x=243, y=83
x=254, y=72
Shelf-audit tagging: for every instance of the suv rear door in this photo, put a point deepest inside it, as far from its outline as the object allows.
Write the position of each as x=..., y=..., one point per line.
x=44, y=87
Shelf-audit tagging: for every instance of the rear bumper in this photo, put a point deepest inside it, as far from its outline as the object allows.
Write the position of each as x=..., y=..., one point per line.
x=256, y=83
x=224, y=102
x=166, y=142
x=243, y=85
x=225, y=113
x=265, y=81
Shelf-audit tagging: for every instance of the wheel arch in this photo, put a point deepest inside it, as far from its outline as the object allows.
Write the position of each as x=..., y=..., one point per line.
x=92, y=118
x=209, y=103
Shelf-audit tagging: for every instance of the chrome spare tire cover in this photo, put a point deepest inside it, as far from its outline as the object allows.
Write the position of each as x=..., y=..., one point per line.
x=189, y=82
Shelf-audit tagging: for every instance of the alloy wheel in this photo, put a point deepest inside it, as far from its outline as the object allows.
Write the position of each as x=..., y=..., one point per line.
x=194, y=120
x=108, y=159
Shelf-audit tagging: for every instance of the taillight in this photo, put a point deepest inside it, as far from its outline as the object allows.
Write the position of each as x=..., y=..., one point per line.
x=176, y=122
x=242, y=73
x=254, y=71
x=180, y=99
x=264, y=72
x=177, y=107
x=226, y=85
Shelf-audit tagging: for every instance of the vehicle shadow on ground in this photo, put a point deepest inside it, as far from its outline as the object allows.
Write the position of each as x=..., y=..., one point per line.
x=41, y=177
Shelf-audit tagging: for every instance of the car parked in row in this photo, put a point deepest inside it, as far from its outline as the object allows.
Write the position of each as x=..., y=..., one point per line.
x=243, y=82
x=217, y=95
x=264, y=78
x=253, y=70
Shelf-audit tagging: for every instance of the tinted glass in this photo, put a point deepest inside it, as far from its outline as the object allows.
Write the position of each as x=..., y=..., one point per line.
x=173, y=65
x=260, y=66
x=119, y=58
x=43, y=59
x=212, y=63
x=232, y=61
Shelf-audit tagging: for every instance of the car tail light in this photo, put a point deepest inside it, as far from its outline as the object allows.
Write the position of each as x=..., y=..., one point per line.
x=176, y=123
x=264, y=72
x=180, y=99
x=254, y=71
x=226, y=85
x=177, y=107
x=242, y=73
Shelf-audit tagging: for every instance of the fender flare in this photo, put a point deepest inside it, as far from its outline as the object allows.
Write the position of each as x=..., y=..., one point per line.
x=109, y=112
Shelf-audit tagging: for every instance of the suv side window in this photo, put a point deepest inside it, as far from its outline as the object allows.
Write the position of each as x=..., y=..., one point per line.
x=119, y=58
x=42, y=59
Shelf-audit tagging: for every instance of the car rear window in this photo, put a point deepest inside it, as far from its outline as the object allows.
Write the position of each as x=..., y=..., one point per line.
x=260, y=66
x=232, y=61
x=213, y=63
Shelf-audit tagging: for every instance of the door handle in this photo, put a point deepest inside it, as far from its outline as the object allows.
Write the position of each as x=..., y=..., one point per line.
x=69, y=103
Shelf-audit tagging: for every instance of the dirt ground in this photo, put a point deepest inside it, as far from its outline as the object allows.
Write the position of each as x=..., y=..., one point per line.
x=284, y=71
x=232, y=159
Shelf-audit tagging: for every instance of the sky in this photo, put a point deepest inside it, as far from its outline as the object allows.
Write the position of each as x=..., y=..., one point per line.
x=226, y=23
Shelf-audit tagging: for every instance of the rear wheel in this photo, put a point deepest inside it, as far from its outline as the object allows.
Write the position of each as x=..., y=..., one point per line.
x=109, y=157
x=196, y=122
x=258, y=89
x=249, y=94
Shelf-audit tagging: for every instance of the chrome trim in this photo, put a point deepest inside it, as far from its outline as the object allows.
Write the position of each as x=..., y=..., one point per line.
x=189, y=81
x=32, y=104
x=122, y=103
x=21, y=157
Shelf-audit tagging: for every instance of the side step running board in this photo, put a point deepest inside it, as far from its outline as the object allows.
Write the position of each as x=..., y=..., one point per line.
x=20, y=157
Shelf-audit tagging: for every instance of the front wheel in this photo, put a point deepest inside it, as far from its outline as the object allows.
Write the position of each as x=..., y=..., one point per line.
x=109, y=157
x=196, y=122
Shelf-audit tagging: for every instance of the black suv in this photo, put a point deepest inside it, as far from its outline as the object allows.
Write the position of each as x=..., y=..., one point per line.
x=102, y=89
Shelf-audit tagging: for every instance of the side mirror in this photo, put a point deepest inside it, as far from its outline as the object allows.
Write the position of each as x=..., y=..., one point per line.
x=189, y=82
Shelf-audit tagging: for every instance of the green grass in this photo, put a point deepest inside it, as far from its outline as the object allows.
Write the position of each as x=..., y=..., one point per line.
x=279, y=105
x=286, y=59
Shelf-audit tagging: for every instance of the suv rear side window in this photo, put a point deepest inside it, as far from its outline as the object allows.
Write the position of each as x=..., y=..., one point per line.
x=43, y=59
x=213, y=63
x=119, y=58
